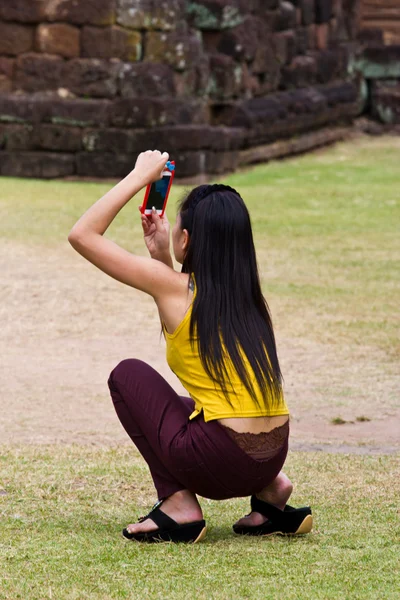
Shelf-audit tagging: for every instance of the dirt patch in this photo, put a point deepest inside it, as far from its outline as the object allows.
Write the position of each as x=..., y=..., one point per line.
x=65, y=325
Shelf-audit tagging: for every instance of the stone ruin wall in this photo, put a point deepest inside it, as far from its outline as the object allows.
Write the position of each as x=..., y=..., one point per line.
x=85, y=85
x=379, y=58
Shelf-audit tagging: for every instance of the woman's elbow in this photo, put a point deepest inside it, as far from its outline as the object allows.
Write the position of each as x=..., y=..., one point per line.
x=74, y=237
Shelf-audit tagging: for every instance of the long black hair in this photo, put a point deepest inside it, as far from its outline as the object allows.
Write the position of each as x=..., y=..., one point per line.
x=229, y=309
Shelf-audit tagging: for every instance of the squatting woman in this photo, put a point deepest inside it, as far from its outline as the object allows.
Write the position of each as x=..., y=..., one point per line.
x=229, y=437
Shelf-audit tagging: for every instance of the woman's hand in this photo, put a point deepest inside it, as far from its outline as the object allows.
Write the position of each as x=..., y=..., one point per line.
x=150, y=165
x=156, y=235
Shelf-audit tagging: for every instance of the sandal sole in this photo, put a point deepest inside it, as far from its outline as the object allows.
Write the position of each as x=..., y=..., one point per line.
x=304, y=527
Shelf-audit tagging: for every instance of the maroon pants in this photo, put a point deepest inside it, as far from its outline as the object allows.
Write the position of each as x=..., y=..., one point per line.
x=183, y=454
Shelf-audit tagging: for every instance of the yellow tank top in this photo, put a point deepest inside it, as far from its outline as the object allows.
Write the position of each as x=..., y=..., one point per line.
x=184, y=361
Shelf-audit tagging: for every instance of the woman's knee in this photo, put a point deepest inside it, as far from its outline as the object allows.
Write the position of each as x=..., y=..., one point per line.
x=124, y=370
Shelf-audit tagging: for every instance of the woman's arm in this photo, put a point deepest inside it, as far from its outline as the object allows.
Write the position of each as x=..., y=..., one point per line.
x=151, y=276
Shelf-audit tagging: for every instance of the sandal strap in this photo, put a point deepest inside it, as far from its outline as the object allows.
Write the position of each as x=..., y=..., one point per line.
x=264, y=508
x=162, y=520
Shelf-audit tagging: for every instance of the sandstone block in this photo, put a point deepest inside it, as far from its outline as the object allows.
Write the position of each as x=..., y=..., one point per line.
x=285, y=44
x=155, y=112
x=302, y=40
x=225, y=78
x=379, y=62
x=20, y=109
x=287, y=16
x=301, y=72
x=307, y=8
x=58, y=38
x=146, y=79
x=330, y=64
x=221, y=162
x=92, y=77
x=5, y=84
x=7, y=66
x=77, y=112
x=38, y=72
x=190, y=163
x=41, y=165
x=23, y=11
x=81, y=12
x=58, y=138
x=102, y=164
x=178, y=49
x=16, y=137
x=385, y=101
x=195, y=81
x=217, y=14
x=323, y=11
x=116, y=140
x=150, y=14
x=240, y=42
x=111, y=42
x=322, y=36
x=15, y=39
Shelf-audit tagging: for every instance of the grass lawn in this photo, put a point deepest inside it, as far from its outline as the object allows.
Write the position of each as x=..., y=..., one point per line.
x=65, y=507
x=327, y=235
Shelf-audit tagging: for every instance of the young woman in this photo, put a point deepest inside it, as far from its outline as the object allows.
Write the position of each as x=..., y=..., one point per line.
x=230, y=437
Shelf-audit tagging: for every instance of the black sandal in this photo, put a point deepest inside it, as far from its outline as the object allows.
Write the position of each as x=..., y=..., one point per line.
x=290, y=521
x=168, y=529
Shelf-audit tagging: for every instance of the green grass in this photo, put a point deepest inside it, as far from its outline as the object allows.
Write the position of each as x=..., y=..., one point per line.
x=326, y=229
x=65, y=507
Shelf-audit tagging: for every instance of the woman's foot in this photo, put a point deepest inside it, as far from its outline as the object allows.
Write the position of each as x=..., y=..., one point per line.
x=182, y=507
x=277, y=494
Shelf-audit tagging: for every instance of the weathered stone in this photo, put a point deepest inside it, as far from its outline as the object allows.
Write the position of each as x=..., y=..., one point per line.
x=58, y=38
x=307, y=8
x=328, y=65
x=221, y=162
x=7, y=66
x=23, y=11
x=190, y=163
x=146, y=79
x=301, y=72
x=58, y=137
x=155, y=112
x=19, y=109
x=150, y=14
x=225, y=78
x=302, y=42
x=116, y=140
x=371, y=35
x=81, y=12
x=385, y=101
x=287, y=16
x=16, y=137
x=178, y=49
x=36, y=164
x=323, y=11
x=285, y=44
x=379, y=62
x=322, y=37
x=240, y=42
x=111, y=42
x=15, y=39
x=101, y=164
x=77, y=112
x=194, y=82
x=37, y=72
x=267, y=65
x=5, y=84
x=217, y=14
x=92, y=77
x=342, y=93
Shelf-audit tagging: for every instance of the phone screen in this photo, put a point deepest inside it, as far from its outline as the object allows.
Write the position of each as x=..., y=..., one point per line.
x=158, y=193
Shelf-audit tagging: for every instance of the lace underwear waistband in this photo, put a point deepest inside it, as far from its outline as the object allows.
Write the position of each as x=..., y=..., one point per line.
x=260, y=446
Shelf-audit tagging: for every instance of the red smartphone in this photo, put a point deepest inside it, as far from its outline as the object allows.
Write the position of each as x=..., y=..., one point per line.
x=157, y=192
